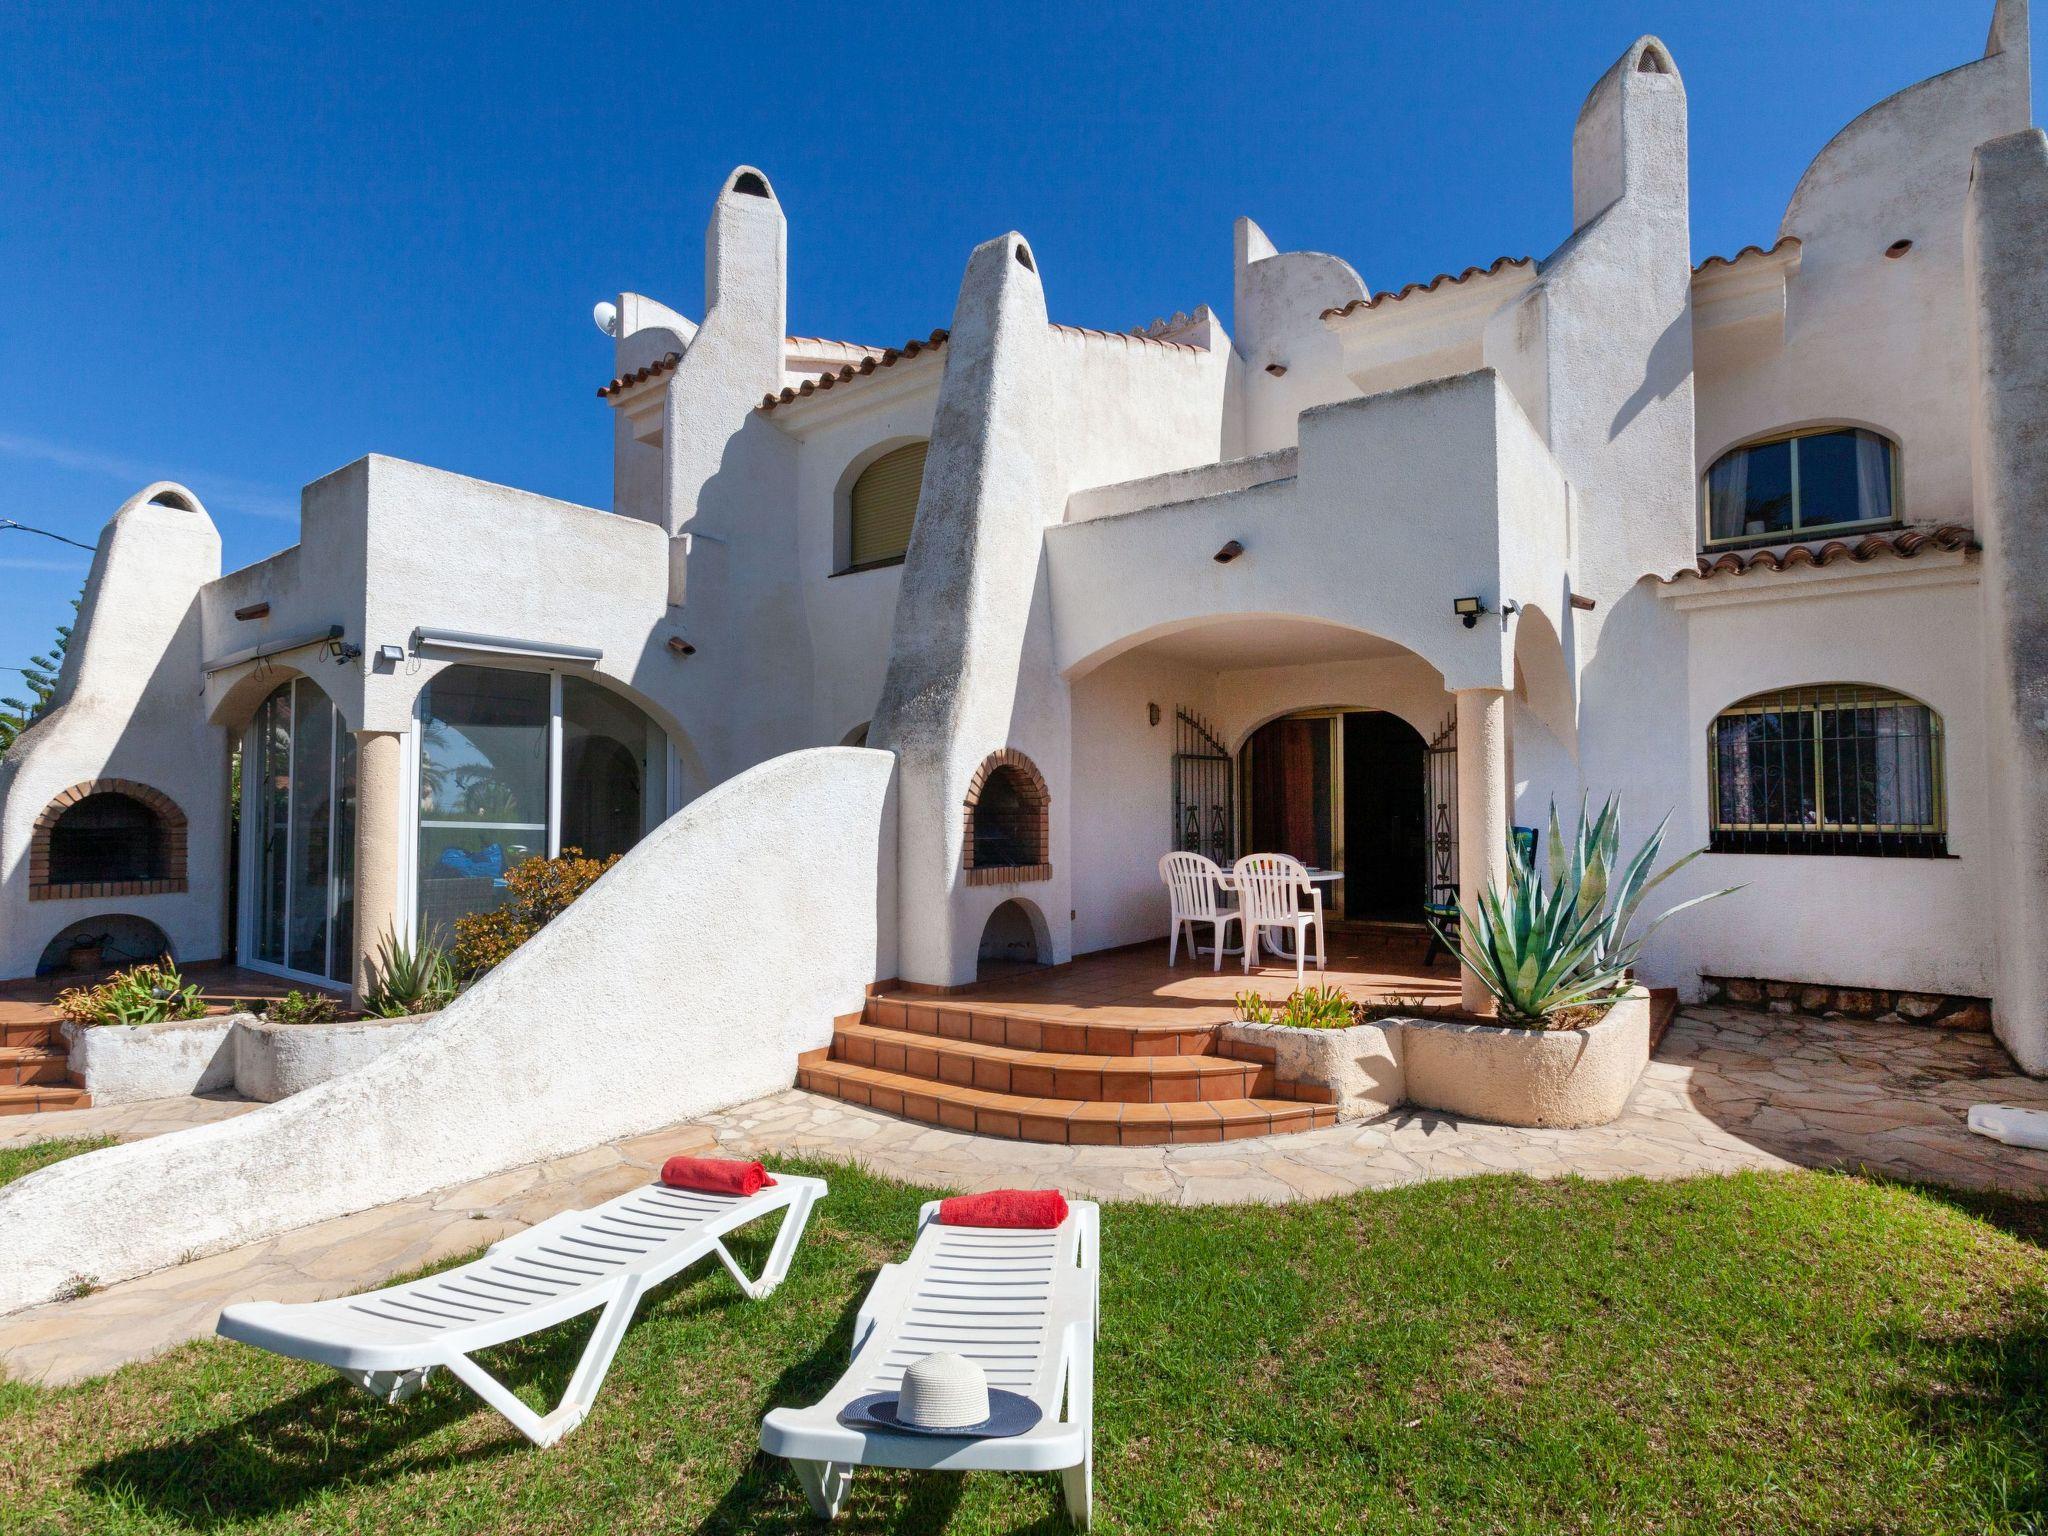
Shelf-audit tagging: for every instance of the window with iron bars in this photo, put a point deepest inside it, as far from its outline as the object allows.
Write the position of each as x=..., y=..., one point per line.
x=1838, y=768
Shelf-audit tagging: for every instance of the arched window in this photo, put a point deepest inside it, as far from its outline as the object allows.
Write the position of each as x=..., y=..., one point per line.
x=882, y=506
x=1834, y=768
x=1800, y=484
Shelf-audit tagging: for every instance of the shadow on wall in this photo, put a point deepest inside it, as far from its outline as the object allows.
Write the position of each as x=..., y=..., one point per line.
x=642, y=972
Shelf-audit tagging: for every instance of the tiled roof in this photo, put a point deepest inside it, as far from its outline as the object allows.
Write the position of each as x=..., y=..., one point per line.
x=1442, y=279
x=625, y=381
x=1129, y=338
x=1903, y=543
x=888, y=357
x=1748, y=251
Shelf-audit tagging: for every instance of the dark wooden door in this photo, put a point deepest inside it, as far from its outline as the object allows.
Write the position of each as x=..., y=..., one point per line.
x=1290, y=790
x=1385, y=818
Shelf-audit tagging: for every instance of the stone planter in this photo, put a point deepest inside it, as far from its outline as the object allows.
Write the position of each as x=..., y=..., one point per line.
x=1359, y=1066
x=121, y=1063
x=1530, y=1077
x=275, y=1061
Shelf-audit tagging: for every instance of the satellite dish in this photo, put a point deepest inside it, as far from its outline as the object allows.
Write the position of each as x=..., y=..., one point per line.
x=606, y=314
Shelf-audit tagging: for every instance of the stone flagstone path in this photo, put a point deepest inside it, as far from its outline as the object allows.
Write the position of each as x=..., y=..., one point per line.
x=1729, y=1090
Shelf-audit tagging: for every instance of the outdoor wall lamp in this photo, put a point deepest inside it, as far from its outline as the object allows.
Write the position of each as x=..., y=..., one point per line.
x=681, y=647
x=342, y=651
x=1228, y=553
x=1468, y=610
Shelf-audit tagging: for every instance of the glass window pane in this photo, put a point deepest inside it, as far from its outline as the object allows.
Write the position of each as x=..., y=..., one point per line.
x=312, y=781
x=611, y=770
x=1844, y=477
x=342, y=948
x=483, y=789
x=271, y=756
x=1749, y=492
x=1879, y=766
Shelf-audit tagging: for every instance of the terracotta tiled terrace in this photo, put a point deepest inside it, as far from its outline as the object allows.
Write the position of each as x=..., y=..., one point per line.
x=1114, y=1049
x=34, y=1069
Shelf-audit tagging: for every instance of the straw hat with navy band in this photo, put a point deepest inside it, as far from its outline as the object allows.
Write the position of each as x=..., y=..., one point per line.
x=944, y=1394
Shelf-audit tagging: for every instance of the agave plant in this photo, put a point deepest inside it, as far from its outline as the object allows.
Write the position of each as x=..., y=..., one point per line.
x=407, y=978
x=1548, y=944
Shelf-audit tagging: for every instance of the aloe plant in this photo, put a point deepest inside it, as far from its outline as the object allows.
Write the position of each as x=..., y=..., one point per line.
x=407, y=978
x=1546, y=944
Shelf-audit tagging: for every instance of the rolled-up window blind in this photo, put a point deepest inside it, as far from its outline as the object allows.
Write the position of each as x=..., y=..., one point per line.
x=885, y=505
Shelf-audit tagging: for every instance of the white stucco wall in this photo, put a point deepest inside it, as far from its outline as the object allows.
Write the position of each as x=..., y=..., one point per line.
x=1917, y=924
x=640, y=1006
x=125, y=707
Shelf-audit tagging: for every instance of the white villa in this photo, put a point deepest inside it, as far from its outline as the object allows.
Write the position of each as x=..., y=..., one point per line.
x=1370, y=577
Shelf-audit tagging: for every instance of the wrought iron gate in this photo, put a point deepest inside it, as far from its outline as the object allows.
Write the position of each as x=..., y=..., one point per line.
x=1441, y=768
x=1204, y=807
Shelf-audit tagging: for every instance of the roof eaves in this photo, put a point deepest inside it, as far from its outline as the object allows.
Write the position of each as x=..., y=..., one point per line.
x=1441, y=280
x=625, y=381
x=1902, y=544
x=887, y=357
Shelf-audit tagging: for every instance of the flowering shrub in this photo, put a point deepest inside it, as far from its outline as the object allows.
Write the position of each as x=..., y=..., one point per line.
x=144, y=994
x=539, y=889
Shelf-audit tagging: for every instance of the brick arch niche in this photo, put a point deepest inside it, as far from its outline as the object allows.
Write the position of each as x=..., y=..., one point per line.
x=1008, y=837
x=107, y=837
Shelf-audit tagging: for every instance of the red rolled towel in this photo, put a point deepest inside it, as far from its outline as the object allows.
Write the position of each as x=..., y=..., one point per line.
x=715, y=1175
x=1005, y=1208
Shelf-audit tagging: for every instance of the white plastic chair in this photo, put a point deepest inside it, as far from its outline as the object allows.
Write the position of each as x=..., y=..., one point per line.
x=1024, y=1305
x=1194, y=892
x=1269, y=890
x=388, y=1342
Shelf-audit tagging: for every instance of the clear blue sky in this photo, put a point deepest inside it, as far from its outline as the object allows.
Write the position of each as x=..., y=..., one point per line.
x=243, y=246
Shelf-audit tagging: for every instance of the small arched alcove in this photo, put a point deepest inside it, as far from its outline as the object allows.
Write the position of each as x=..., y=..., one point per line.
x=104, y=942
x=1015, y=936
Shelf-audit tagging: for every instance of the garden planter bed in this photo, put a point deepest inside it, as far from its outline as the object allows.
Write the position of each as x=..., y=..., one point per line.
x=242, y=1052
x=120, y=1064
x=1529, y=1077
x=1525, y=1077
x=275, y=1061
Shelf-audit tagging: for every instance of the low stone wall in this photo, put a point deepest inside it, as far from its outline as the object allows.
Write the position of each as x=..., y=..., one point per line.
x=1938, y=1010
x=123, y=1063
x=1358, y=1069
x=1525, y=1077
x=275, y=1061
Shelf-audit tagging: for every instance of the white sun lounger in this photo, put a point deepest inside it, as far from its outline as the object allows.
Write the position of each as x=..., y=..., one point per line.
x=1023, y=1305
x=388, y=1342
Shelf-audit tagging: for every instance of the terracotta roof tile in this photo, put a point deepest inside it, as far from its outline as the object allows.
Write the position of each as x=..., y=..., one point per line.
x=625, y=381
x=1903, y=543
x=1747, y=251
x=1129, y=338
x=1442, y=279
x=888, y=357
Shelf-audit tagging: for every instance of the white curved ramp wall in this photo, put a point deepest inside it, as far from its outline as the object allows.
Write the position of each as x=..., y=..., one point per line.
x=687, y=979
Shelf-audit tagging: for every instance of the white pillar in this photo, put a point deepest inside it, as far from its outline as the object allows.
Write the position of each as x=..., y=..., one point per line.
x=1482, y=811
x=379, y=805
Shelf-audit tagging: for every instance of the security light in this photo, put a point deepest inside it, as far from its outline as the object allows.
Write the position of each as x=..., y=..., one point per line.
x=1469, y=609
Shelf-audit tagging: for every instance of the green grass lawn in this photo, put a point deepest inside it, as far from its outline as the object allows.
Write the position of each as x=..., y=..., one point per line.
x=26, y=1157
x=1788, y=1353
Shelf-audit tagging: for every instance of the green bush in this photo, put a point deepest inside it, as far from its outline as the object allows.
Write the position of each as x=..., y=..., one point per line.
x=297, y=1007
x=143, y=994
x=1306, y=1008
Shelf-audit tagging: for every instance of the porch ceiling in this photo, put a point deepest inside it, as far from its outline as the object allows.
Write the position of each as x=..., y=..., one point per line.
x=1234, y=644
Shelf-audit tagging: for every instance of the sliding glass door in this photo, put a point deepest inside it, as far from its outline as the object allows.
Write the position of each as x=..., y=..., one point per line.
x=298, y=815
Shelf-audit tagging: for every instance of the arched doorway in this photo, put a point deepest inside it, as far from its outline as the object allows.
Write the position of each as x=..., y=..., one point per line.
x=1013, y=939
x=1345, y=789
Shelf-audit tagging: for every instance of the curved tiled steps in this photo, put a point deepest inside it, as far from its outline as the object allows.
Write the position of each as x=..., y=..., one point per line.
x=1038, y=1078
x=35, y=1071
